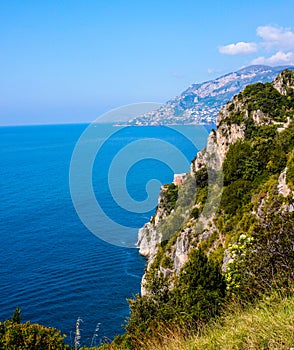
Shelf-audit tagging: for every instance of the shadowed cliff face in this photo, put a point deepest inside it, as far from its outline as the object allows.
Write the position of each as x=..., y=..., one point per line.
x=253, y=144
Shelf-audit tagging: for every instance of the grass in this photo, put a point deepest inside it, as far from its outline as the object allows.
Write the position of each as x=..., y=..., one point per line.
x=270, y=325
x=267, y=325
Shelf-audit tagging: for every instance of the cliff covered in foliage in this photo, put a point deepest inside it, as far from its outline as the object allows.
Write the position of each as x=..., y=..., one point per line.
x=227, y=231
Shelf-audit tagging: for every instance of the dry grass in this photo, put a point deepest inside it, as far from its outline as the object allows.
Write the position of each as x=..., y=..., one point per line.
x=269, y=325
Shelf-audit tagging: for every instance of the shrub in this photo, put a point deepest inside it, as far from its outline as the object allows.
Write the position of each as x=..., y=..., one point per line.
x=290, y=169
x=265, y=260
x=201, y=177
x=197, y=296
x=199, y=290
x=20, y=336
x=169, y=197
x=235, y=163
x=235, y=195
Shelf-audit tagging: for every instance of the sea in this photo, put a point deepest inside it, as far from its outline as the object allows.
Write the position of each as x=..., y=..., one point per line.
x=54, y=265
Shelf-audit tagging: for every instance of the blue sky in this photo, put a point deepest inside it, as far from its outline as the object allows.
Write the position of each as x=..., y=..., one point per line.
x=65, y=61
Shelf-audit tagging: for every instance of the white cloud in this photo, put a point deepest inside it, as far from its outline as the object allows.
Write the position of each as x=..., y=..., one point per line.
x=276, y=59
x=238, y=48
x=276, y=37
x=275, y=46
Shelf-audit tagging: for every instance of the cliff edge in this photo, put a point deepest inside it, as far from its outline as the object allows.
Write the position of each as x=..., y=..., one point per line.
x=244, y=169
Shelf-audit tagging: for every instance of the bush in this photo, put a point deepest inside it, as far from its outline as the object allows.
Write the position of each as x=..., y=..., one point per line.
x=20, y=336
x=169, y=197
x=199, y=290
x=266, y=98
x=290, y=169
x=197, y=296
x=201, y=177
x=265, y=260
x=236, y=195
x=236, y=161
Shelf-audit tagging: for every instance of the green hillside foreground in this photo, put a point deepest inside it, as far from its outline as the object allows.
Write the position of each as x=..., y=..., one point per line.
x=268, y=325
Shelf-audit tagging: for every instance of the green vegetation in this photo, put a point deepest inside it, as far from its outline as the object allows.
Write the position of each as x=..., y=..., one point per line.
x=265, y=260
x=196, y=297
x=15, y=335
x=183, y=197
x=249, y=163
x=268, y=325
x=201, y=177
x=199, y=290
x=267, y=99
x=169, y=197
x=290, y=169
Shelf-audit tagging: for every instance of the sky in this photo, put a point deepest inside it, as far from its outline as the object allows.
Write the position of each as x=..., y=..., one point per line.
x=69, y=61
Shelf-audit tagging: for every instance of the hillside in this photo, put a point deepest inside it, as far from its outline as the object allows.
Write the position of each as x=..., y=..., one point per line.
x=200, y=103
x=228, y=234
x=267, y=325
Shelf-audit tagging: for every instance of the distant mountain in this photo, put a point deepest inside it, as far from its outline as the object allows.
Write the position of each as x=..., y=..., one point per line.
x=200, y=103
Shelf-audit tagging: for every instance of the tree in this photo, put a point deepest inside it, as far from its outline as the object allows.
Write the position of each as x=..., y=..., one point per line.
x=16, y=317
x=199, y=290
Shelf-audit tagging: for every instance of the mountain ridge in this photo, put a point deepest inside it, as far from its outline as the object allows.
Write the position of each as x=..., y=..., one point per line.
x=200, y=102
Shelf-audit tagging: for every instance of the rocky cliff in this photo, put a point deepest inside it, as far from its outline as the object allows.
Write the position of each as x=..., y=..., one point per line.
x=245, y=171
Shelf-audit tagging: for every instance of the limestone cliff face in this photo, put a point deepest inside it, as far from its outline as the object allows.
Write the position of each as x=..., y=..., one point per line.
x=149, y=235
x=234, y=120
x=283, y=189
x=218, y=142
x=148, y=238
x=284, y=82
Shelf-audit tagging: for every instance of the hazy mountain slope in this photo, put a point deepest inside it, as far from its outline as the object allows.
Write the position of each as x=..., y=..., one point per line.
x=200, y=103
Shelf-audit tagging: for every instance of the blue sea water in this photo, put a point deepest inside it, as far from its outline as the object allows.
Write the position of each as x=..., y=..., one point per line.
x=52, y=266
